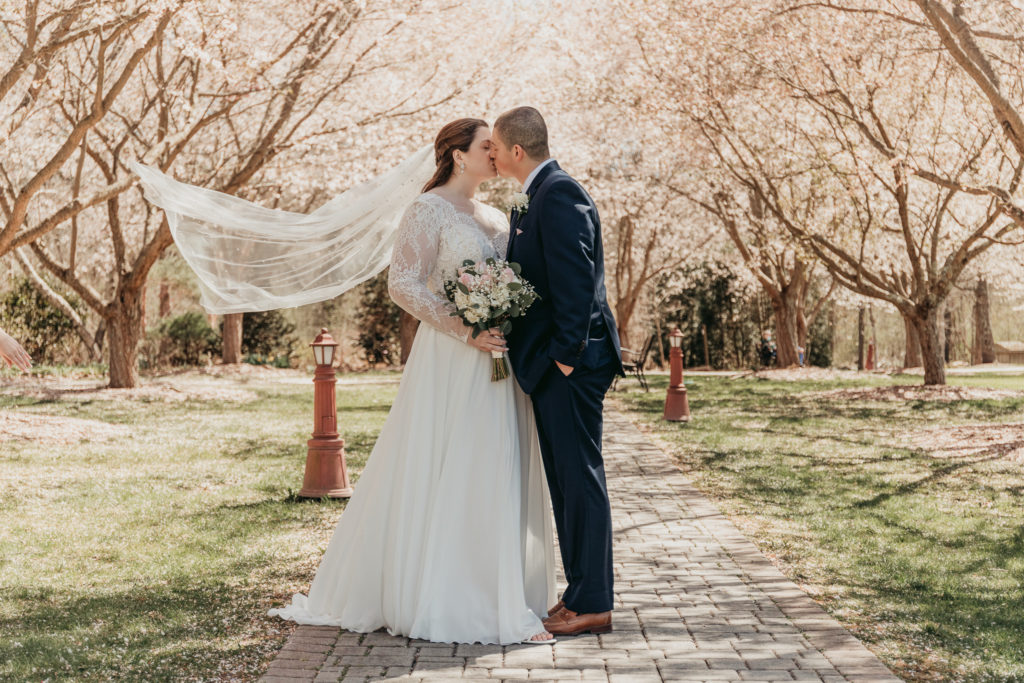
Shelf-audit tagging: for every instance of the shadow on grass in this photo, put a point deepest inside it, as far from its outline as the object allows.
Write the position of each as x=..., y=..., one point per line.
x=145, y=631
x=249, y=449
x=936, y=474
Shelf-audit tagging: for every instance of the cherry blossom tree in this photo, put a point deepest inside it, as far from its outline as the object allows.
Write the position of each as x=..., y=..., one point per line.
x=620, y=155
x=829, y=120
x=285, y=106
x=648, y=229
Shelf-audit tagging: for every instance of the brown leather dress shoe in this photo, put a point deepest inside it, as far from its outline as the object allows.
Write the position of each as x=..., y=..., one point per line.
x=565, y=622
x=554, y=610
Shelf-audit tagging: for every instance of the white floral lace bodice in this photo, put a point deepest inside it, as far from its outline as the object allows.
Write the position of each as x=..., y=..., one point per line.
x=433, y=240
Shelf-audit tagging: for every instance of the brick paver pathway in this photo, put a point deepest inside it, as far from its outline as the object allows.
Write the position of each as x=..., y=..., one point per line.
x=696, y=601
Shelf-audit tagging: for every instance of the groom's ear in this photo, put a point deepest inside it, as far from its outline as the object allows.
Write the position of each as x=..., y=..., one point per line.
x=518, y=153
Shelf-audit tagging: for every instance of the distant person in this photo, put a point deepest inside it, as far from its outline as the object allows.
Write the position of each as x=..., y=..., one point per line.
x=800, y=355
x=768, y=351
x=13, y=354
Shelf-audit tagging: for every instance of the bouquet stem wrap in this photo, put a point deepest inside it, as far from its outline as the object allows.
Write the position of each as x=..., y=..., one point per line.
x=499, y=366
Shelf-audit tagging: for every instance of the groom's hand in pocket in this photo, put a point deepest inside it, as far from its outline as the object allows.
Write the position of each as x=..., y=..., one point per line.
x=566, y=369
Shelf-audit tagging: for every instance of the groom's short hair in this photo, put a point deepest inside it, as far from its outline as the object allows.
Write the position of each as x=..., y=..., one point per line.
x=524, y=126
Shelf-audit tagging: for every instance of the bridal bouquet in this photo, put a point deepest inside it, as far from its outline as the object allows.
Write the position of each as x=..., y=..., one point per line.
x=489, y=294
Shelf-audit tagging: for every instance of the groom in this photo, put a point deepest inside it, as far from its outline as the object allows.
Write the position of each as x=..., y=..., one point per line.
x=565, y=354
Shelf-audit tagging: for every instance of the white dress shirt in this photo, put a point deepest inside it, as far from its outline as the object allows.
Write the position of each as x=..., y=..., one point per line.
x=534, y=172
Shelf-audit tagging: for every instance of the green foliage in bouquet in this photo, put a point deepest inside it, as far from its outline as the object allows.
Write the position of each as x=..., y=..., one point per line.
x=488, y=295
x=485, y=299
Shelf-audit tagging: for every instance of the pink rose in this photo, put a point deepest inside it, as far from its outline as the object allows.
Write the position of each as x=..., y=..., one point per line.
x=508, y=275
x=466, y=279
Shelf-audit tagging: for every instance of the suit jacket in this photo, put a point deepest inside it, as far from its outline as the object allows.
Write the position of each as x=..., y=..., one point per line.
x=558, y=244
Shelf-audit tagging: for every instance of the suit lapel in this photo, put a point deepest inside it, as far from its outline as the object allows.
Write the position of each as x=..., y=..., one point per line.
x=538, y=180
x=513, y=227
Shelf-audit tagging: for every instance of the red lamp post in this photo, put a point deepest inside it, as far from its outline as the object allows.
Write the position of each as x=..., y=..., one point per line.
x=325, y=460
x=677, y=407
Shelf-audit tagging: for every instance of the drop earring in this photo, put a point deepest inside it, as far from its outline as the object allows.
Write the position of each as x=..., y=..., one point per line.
x=462, y=167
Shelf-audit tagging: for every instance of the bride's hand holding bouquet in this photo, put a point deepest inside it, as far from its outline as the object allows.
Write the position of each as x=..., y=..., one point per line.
x=487, y=296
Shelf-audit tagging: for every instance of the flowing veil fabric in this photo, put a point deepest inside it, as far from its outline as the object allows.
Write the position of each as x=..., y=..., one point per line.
x=250, y=258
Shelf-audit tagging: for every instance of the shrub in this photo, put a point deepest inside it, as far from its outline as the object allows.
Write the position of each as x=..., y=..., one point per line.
x=263, y=359
x=189, y=337
x=47, y=334
x=268, y=334
x=819, y=338
x=378, y=320
x=709, y=299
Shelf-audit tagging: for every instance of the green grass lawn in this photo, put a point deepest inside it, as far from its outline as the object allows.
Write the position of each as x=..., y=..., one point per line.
x=920, y=554
x=152, y=550
x=154, y=554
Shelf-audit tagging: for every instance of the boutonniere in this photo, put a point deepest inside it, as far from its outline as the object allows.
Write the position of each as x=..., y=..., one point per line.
x=520, y=203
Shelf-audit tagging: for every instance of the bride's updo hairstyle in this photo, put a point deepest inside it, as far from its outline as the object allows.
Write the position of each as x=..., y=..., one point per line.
x=457, y=135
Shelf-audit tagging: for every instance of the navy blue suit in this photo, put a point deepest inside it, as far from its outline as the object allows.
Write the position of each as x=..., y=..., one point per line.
x=558, y=244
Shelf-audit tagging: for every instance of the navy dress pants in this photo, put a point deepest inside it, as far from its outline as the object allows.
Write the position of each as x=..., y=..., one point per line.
x=569, y=422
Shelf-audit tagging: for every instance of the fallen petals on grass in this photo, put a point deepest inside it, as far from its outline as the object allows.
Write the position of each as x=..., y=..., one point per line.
x=944, y=394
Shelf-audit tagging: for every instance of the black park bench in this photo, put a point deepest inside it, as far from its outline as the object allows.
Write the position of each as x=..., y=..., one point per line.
x=633, y=362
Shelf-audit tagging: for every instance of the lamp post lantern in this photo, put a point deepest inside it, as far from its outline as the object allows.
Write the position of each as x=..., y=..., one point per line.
x=677, y=407
x=325, y=459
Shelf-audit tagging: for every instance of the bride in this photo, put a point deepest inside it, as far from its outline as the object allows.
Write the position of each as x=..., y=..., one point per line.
x=448, y=536
x=432, y=543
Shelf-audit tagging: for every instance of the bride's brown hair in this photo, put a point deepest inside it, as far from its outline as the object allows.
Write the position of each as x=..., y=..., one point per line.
x=457, y=135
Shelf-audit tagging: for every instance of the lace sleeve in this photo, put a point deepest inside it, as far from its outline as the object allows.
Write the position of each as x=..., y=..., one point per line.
x=500, y=244
x=412, y=260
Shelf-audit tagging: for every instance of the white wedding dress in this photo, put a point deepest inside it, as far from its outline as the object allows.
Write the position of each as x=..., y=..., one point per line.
x=448, y=536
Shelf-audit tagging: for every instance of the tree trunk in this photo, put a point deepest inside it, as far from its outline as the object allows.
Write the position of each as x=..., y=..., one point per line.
x=624, y=308
x=707, y=356
x=947, y=333
x=801, y=328
x=984, y=344
x=860, y=338
x=912, y=349
x=165, y=299
x=658, y=341
x=931, y=347
x=231, y=339
x=124, y=324
x=142, y=305
x=790, y=322
x=407, y=326
x=785, y=334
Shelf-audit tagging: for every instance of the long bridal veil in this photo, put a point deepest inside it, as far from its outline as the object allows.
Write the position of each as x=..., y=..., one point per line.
x=250, y=258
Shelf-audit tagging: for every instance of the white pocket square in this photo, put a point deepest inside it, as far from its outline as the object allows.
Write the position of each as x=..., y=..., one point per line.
x=518, y=231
